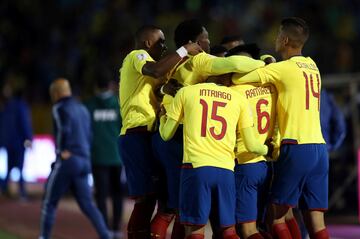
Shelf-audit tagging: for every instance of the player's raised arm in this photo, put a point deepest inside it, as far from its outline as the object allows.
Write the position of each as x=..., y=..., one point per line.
x=251, y=143
x=212, y=65
x=158, y=69
x=170, y=122
x=248, y=78
x=167, y=127
x=238, y=64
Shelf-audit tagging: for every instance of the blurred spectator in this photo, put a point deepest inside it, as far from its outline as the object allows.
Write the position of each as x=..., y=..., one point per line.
x=72, y=165
x=332, y=121
x=105, y=156
x=15, y=133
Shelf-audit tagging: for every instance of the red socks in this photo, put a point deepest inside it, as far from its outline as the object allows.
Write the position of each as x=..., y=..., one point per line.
x=256, y=236
x=139, y=222
x=159, y=225
x=178, y=231
x=323, y=234
x=196, y=236
x=230, y=233
x=293, y=228
x=281, y=231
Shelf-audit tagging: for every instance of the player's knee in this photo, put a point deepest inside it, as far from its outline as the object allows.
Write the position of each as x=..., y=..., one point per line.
x=194, y=230
x=230, y=233
x=280, y=211
x=246, y=229
x=314, y=221
x=195, y=236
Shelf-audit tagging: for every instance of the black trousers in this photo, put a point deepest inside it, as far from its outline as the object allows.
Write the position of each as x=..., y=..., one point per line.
x=108, y=184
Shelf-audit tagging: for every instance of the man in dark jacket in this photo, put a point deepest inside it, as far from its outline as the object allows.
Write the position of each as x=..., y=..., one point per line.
x=15, y=133
x=72, y=165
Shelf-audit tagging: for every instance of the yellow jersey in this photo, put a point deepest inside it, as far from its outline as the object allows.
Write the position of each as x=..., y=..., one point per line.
x=262, y=100
x=196, y=69
x=212, y=115
x=138, y=102
x=298, y=84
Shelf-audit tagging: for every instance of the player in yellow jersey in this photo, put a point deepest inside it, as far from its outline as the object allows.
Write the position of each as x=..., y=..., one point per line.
x=252, y=175
x=212, y=115
x=189, y=71
x=301, y=173
x=141, y=70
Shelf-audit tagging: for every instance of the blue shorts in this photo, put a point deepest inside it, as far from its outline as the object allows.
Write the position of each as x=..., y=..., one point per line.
x=141, y=168
x=301, y=177
x=252, y=187
x=170, y=155
x=206, y=188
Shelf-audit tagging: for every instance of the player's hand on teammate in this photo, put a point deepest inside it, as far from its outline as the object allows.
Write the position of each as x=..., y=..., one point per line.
x=269, y=143
x=162, y=111
x=273, y=150
x=268, y=59
x=193, y=48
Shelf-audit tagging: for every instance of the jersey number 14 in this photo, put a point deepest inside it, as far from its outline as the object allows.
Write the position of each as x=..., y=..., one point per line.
x=314, y=93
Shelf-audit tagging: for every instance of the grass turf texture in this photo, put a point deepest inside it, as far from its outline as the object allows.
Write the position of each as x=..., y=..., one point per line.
x=4, y=235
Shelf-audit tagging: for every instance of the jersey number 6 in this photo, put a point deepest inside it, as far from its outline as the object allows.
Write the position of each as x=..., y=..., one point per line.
x=214, y=116
x=262, y=114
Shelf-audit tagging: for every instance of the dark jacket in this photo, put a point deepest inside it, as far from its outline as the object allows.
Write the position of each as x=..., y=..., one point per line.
x=332, y=121
x=15, y=124
x=72, y=127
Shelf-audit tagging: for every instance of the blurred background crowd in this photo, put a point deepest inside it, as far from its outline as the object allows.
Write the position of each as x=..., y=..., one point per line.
x=40, y=40
x=86, y=39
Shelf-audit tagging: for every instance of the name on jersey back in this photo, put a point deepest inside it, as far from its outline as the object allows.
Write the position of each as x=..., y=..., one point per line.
x=215, y=93
x=258, y=91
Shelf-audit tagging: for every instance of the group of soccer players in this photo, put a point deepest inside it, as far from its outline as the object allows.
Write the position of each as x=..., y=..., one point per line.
x=209, y=124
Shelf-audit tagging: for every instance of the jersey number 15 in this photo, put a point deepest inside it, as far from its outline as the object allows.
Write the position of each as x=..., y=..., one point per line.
x=214, y=116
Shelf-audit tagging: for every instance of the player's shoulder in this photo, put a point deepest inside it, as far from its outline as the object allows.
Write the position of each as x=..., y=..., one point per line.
x=201, y=57
x=245, y=86
x=139, y=54
x=236, y=92
x=279, y=64
x=189, y=88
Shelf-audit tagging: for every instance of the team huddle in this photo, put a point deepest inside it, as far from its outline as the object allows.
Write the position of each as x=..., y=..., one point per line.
x=235, y=140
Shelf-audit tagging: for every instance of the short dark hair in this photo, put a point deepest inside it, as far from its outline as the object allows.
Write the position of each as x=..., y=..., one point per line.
x=231, y=38
x=252, y=49
x=186, y=31
x=141, y=33
x=217, y=49
x=296, y=29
